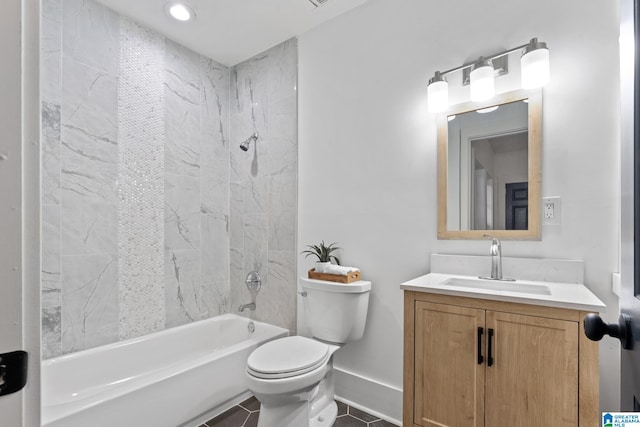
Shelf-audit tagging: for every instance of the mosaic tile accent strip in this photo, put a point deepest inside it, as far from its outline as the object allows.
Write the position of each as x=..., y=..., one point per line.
x=225, y=212
x=141, y=181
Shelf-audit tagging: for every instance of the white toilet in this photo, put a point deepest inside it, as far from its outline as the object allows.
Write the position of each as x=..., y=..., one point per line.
x=292, y=377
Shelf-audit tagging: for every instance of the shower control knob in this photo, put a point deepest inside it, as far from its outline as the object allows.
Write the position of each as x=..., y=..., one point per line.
x=595, y=328
x=253, y=281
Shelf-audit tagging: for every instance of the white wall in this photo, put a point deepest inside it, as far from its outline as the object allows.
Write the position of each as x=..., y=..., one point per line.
x=367, y=174
x=19, y=209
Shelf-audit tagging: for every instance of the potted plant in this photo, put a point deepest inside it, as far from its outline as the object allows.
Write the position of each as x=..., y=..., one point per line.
x=323, y=253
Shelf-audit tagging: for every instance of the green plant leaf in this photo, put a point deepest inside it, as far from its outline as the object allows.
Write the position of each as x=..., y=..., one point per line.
x=322, y=252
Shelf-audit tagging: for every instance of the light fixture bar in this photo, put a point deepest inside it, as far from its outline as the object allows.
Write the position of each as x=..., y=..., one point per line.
x=500, y=68
x=534, y=70
x=488, y=58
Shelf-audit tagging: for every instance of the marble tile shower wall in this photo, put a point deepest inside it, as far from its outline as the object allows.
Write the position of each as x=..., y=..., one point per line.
x=217, y=213
x=135, y=189
x=263, y=182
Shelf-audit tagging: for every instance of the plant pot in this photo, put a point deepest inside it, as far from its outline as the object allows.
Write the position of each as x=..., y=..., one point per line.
x=320, y=266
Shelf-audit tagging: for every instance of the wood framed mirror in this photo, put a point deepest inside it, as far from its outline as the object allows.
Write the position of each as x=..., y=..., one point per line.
x=489, y=168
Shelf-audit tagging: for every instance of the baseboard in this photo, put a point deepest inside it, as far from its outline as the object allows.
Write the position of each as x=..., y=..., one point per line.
x=369, y=395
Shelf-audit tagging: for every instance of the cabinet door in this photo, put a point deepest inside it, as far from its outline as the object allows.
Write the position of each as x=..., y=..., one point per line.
x=449, y=380
x=533, y=380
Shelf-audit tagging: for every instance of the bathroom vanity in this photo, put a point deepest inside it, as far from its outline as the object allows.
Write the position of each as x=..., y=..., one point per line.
x=497, y=353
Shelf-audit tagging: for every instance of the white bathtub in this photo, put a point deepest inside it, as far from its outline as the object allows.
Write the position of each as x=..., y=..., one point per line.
x=176, y=377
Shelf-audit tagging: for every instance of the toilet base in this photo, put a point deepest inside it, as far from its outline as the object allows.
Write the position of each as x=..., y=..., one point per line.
x=326, y=417
x=281, y=405
x=298, y=415
x=312, y=407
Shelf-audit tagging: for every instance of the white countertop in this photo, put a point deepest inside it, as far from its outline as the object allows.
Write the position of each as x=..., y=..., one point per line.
x=561, y=295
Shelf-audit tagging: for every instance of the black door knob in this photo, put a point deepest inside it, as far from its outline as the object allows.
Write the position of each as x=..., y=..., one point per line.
x=595, y=328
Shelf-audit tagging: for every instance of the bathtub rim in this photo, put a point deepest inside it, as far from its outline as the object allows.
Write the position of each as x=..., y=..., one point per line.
x=54, y=412
x=129, y=341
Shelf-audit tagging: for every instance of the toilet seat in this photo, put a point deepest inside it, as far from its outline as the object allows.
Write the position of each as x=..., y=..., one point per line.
x=287, y=357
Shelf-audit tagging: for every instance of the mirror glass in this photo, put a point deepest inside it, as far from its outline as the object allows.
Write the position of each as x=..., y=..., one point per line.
x=489, y=168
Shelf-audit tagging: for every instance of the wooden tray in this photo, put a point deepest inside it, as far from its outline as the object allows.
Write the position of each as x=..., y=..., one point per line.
x=354, y=276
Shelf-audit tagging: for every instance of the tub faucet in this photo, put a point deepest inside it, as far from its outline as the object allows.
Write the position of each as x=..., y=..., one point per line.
x=251, y=306
x=254, y=283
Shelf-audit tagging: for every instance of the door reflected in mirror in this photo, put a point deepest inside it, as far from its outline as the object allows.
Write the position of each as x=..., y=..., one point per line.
x=489, y=169
x=493, y=149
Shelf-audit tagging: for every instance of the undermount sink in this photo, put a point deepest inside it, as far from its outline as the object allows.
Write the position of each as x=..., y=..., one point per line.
x=495, y=285
x=539, y=282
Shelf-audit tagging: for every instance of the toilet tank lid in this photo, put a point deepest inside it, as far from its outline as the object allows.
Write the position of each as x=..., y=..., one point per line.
x=359, y=287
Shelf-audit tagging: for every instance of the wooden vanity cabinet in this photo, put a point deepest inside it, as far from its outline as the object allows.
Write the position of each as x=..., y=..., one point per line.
x=473, y=363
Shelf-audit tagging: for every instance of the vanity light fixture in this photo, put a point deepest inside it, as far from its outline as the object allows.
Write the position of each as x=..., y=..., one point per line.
x=534, y=68
x=535, y=65
x=437, y=93
x=179, y=11
x=482, y=87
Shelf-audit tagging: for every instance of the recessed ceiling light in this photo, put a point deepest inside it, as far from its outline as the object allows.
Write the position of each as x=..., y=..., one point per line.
x=179, y=11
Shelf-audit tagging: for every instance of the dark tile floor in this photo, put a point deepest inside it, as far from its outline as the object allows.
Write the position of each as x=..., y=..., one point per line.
x=246, y=415
x=243, y=415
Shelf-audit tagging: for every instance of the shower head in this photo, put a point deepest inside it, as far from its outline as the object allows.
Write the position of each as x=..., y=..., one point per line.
x=245, y=144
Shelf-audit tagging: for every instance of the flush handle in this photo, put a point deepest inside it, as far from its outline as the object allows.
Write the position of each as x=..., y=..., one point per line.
x=13, y=372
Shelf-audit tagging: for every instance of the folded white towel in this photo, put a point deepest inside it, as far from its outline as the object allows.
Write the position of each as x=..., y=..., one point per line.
x=339, y=269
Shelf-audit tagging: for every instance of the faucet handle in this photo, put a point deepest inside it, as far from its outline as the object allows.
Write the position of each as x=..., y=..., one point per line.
x=495, y=240
x=253, y=281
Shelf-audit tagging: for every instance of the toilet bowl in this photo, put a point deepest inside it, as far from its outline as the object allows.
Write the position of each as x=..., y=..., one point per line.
x=292, y=377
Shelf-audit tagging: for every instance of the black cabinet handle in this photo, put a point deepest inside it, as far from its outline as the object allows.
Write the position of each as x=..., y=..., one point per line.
x=480, y=357
x=490, y=349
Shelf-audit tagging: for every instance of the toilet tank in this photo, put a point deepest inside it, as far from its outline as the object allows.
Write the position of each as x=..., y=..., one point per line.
x=336, y=312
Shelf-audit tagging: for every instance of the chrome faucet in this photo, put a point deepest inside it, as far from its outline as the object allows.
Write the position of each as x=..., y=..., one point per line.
x=251, y=306
x=496, y=260
x=254, y=283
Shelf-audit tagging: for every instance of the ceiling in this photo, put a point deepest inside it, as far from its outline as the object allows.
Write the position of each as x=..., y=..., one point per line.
x=512, y=142
x=231, y=31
